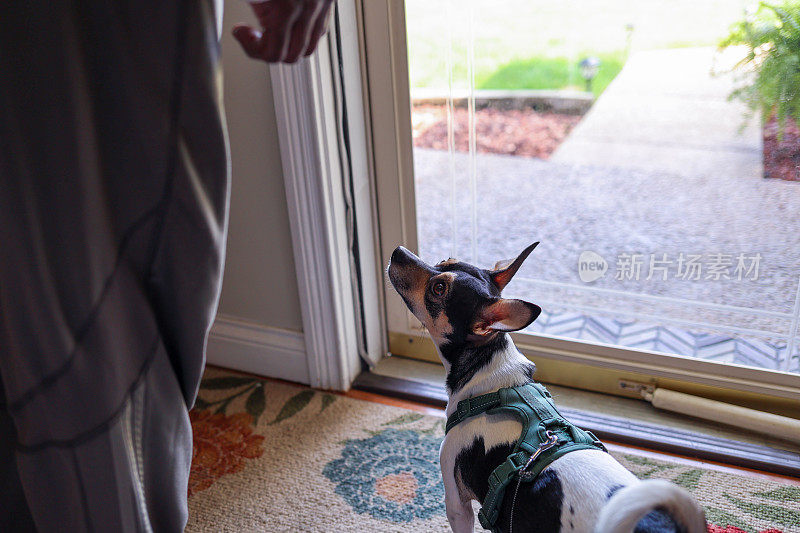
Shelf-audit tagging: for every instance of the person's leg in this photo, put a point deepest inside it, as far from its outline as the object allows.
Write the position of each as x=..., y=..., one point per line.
x=112, y=228
x=127, y=477
x=17, y=516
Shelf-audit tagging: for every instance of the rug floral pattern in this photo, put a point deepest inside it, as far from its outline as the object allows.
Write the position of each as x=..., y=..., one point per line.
x=274, y=457
x=393, y=475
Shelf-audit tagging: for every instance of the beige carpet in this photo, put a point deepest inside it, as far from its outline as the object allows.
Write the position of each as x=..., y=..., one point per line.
x=279, y=458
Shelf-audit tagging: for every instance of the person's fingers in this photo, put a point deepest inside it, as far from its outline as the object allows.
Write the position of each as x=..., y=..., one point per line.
x=250, y=40
x=320, y=27
x=291, y=28
x=296, y=42
x=277, y=18
x=301, y=30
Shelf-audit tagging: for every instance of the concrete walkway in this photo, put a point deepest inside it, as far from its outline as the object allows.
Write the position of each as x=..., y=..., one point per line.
x=658, y=166
x=666, y=112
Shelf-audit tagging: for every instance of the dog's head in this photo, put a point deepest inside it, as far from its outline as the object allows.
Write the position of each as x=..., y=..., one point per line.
x=458, y=303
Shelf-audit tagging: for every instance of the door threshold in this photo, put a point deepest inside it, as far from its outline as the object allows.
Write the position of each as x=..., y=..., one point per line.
x=652, y=436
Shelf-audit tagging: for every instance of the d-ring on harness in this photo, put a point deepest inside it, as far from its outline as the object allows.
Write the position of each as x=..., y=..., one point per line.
x=546, y=436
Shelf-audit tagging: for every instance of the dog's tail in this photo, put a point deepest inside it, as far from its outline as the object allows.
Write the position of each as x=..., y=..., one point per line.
x=630, y=504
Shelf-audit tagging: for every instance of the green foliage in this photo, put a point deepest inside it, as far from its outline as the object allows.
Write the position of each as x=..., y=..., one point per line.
x=772, y=38
x=327, y=399
x=772, y=513
x=200, y=403
x=787, y=493
x=294, y=405
x=725, y=519
x=437, y=428
x=654, y=467
x=689, y=479
x=256, y=403
x=403, y=419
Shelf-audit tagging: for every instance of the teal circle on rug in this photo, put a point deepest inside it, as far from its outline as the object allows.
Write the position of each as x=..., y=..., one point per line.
x=393, y=475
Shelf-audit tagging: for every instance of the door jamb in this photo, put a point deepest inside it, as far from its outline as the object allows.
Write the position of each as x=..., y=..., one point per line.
x=309, y=135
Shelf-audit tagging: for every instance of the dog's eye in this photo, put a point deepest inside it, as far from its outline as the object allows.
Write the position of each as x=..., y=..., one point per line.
x=439, y=288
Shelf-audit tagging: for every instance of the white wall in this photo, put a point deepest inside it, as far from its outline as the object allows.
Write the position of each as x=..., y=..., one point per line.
x=260, y=285
x=259, y=325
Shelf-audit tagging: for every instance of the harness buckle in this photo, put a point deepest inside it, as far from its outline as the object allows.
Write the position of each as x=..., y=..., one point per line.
x=518, y=460
x=595, y=440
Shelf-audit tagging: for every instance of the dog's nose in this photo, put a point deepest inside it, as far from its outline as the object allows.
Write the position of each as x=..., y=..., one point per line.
x=401, y=256
x=406, y=260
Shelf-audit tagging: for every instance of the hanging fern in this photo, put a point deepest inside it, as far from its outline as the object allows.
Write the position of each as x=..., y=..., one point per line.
x=772, y=36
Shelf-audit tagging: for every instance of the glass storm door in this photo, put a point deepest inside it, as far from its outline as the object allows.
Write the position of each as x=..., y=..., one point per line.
x=605, y=131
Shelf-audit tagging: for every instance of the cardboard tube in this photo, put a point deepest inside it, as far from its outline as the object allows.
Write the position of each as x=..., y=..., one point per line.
x=777, y=426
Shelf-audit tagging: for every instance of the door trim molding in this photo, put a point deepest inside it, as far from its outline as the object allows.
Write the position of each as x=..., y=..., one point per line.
x=307, y=131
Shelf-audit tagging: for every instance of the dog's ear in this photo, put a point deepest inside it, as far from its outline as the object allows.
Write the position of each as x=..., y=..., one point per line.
x=503, y=271
x=505, y=315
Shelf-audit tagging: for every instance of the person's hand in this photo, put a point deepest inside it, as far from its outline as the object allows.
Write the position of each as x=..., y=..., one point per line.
x=291, y=28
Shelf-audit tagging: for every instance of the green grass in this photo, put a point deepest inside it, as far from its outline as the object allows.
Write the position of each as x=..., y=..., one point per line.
x=537, y=44
x=551, y=72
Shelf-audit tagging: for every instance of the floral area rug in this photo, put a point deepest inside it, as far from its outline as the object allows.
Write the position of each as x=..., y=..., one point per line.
x=278, y=458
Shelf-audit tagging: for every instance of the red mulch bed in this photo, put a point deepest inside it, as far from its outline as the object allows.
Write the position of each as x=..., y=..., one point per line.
x=782, y=158
x=525, y=133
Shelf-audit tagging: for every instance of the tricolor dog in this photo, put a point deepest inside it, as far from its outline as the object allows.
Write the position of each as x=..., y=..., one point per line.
x=506, y=445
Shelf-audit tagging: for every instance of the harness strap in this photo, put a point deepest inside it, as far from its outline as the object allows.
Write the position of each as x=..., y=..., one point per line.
x=546, y=436
x=471, y=407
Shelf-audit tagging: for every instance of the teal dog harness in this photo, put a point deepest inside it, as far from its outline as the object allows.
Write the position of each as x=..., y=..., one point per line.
x=546, y=436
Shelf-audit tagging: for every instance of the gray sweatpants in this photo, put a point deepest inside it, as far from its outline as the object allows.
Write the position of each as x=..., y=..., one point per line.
x=113, y=214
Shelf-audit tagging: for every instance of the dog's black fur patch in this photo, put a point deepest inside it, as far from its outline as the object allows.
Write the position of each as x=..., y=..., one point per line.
x=656, y=521
x=613, y=490
x=467, y=296
x=466, y=362
x=538, y=507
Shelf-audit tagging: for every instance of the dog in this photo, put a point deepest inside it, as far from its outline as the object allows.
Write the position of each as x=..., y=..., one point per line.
x=585, y=490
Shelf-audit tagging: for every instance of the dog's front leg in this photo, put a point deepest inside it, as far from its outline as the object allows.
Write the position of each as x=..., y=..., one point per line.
x=460, y=515
x=459, y=509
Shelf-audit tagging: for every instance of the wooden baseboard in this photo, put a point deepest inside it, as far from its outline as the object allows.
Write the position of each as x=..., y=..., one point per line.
x=257, y=349
x=634, y=433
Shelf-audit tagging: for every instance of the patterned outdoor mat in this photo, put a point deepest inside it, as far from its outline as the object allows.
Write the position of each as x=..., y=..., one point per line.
x=274, y=457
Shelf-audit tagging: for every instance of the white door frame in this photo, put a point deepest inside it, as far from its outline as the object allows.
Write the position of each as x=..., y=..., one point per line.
x=319, y=206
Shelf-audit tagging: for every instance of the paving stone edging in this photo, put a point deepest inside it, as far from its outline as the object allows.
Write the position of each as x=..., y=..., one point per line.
x=566, y=102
